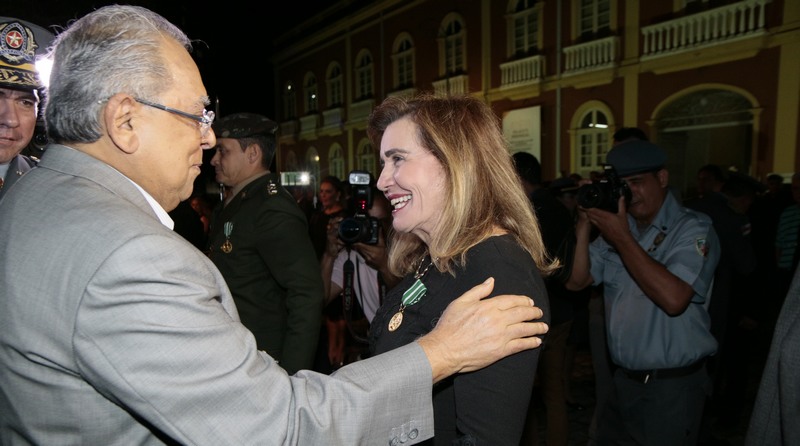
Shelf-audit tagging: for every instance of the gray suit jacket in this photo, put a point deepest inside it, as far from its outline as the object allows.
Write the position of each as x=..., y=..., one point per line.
x=774, y=420
x=117, y=331
x=19, y=166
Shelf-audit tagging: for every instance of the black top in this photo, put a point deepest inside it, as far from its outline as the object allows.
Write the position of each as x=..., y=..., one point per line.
x=737, y=261
x=486, y=407
x=318, y=229
x=557, y=225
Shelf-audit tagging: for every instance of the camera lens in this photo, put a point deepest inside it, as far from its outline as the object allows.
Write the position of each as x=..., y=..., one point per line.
x=350, y=230
x=589, y=196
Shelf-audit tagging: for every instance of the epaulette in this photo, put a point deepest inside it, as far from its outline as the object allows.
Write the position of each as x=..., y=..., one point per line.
x=272, y=187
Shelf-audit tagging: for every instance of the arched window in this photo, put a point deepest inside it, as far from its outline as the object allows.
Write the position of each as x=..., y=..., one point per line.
x=594, y=18
x=289, y=104
x=290, y=163
x=525, y=27
x=334, y=81
x=593, y=142
x=364, y=87
x=310, y=87
x=312, y=161
x=336, y=161
x=367, y=157
x=452, y=44
x=403, y=59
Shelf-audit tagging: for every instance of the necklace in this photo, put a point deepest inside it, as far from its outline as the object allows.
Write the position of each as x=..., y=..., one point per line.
x=412, y=295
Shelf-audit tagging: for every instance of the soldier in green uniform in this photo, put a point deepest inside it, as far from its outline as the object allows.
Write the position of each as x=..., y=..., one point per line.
x=259, y=241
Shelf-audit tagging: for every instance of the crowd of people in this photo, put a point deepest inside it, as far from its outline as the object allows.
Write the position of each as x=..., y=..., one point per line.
x=257, y=320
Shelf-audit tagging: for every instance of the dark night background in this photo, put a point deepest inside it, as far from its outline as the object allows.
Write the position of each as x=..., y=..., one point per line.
x=233, y=39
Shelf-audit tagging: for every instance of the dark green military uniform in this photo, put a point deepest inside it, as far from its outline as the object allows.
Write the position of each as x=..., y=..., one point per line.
x=271, y=270
x=260, y=243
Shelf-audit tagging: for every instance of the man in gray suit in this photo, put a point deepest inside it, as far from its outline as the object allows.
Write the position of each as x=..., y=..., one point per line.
x=117, y=331
x=777, y=405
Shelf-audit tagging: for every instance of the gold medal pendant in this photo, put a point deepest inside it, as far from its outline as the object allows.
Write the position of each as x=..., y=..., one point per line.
x=396, y=320
x=410, y=296
x=227, y=247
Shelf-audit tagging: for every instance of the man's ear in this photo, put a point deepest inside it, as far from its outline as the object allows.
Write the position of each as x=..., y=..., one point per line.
x=663, y=177
x=120, y=122
x=253, y=152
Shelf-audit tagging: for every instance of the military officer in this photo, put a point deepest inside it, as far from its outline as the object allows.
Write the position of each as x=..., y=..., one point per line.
x=20, y=85
x=259, y=241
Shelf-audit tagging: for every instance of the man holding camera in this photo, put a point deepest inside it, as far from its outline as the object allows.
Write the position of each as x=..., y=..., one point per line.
x=355, y=264
x=656, y=260
x=259, y=241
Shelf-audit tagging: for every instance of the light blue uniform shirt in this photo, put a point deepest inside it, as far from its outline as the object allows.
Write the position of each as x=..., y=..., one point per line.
x=641, y=336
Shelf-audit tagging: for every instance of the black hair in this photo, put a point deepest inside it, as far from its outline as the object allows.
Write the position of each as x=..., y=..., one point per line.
x=715, y=171
x=627, y=133
x=528, y=167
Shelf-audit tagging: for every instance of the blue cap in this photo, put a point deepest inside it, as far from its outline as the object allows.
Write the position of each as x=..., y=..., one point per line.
x=634, y=157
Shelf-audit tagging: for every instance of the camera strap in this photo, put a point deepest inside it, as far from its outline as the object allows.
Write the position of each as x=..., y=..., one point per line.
x=353, y=312
x=348, y=289
x=381, y=288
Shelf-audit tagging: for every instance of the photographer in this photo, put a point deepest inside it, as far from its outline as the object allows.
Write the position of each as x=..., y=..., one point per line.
x=363, y=281
x=656, y=260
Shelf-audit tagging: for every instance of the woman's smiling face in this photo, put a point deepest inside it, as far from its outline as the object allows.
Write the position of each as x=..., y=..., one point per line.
x=412, y=179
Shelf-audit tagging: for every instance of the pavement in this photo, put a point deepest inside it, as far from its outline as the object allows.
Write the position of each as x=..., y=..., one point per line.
x=583, y=399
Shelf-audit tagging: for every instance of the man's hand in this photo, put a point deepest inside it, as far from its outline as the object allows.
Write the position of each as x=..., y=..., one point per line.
x=333, y=244
x=377, y=255
x=613, y=227
x=474, y=333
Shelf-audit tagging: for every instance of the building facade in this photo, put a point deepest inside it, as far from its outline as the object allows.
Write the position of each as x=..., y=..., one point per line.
x=711, y=81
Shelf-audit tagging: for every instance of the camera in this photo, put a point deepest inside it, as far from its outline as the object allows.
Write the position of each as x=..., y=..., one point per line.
x=360, y=227
x=604, y=194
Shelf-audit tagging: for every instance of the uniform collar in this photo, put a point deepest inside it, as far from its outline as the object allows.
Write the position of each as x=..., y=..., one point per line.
x=240, y=187
x=664, y=218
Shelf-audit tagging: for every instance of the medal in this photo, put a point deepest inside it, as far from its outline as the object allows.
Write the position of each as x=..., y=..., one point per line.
x=395, y=321
x=227, y=247
x=411, y=296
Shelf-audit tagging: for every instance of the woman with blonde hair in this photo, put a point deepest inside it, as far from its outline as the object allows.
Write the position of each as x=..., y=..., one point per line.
x=460, y=217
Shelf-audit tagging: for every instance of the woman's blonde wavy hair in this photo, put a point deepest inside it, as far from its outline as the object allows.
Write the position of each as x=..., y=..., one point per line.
x=464, y=134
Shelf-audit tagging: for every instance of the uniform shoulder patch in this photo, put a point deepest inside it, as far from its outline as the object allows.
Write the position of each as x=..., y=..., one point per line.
x=272, y=188
x=702, y=246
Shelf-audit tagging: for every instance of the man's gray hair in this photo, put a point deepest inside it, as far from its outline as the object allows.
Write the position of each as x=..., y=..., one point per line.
x=114, y=49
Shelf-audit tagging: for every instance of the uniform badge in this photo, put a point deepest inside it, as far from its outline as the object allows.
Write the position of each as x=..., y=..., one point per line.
x=702, y=246
x=659, y=239
x=272, y=188
x=18, y=55
x=746, y=229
